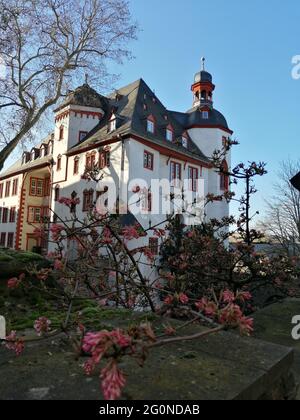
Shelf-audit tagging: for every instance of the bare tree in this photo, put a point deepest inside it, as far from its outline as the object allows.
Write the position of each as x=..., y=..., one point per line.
x=46, y=47
x=282, y=223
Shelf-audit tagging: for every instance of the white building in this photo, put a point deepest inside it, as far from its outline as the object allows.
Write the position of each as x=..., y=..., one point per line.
x=130, y=135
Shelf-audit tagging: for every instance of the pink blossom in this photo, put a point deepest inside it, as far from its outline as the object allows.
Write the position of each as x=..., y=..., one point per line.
x=14, y=343
x=169, y=277
x=209, y=308
x=130, y=232
x=169, y=330
x=244, y=296
x=246, y=326
x=183, y=298
x=56, y=230
x=42, y=326
x=231, y=315
x=228, y=296
x=113, y=381
x=89, y=367
x=58, y=265
x=136, y=189
x=148, y=253
x=169, y=300
x=13, y=283
x=159, y=232
x=107, y=236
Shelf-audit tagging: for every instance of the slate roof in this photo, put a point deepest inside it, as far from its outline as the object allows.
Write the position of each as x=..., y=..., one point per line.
x=85, y=96
x=133, y=105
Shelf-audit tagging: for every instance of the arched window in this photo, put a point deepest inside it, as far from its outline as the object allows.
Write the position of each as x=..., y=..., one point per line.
x=203, y=95
x=61, y=132
x=58, y=163
x=224, y=177
x=76, y=166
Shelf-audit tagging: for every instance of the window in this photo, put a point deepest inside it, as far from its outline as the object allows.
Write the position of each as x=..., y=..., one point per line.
x=146, y=202
x=90, y=160
x=205, y=115
x=61, y=132
x=34, y=214
x=56, y=193
x=7, y=188
x=76, y=166
x=2, y=239
x=58, y=164
x=10, y=240
x=1, y=190
x=5, y=215
x=12, y=215
x=150, y=125
x=175, y=174
x=104, y=159
x=224, y=141
x=47, y=187
x=148, y=160
x=46, y=149
x=184, y=142
x=112, y=124
x=153, y=246
x=224, y=178
x=169, y=134
x=37, y=187
x=193, y=178
x=88, y=196
x=15, y=186
x=82, y=135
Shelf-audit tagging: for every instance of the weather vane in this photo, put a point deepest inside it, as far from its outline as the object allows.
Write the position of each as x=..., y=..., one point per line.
x=203, y=63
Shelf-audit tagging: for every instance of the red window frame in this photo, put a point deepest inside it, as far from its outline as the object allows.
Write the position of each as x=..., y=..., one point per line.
x=33, y=191
x=10, y=240
x=58, y=163
x=175, y=168
x=88, y=197
x=61, y=132
x=3, y=239
x=224, y=178
x=12, y=214
x=34, y=219
x=15, y=186
x=148, y=160
x=47, y=187
x=1, y=189
x=5, y=215
x=147, y=202
x=193, y=178
x=104, y=159
x=170, y=130
x=76, y=166
x=7, y=188
x=153, y=246
x=151, y=119
x=90, y=160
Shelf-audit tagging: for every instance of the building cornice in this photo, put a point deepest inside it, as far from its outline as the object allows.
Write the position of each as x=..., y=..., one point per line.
x=24, y=170
x=220, y=127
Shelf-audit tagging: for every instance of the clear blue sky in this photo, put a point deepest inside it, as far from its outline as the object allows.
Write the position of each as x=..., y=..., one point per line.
x=248, y=47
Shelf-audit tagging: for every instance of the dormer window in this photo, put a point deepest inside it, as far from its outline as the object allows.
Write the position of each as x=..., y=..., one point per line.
x=26, y=157
x=184, y=142
x=82, y=135
x=205, y=115
x=169, y=133
x=112, y=124
x=150, y=125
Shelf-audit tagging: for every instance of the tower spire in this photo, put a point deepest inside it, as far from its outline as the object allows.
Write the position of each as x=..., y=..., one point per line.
x=203, y=63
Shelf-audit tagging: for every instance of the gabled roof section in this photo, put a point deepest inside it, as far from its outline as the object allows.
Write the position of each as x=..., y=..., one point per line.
x=132, y=105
